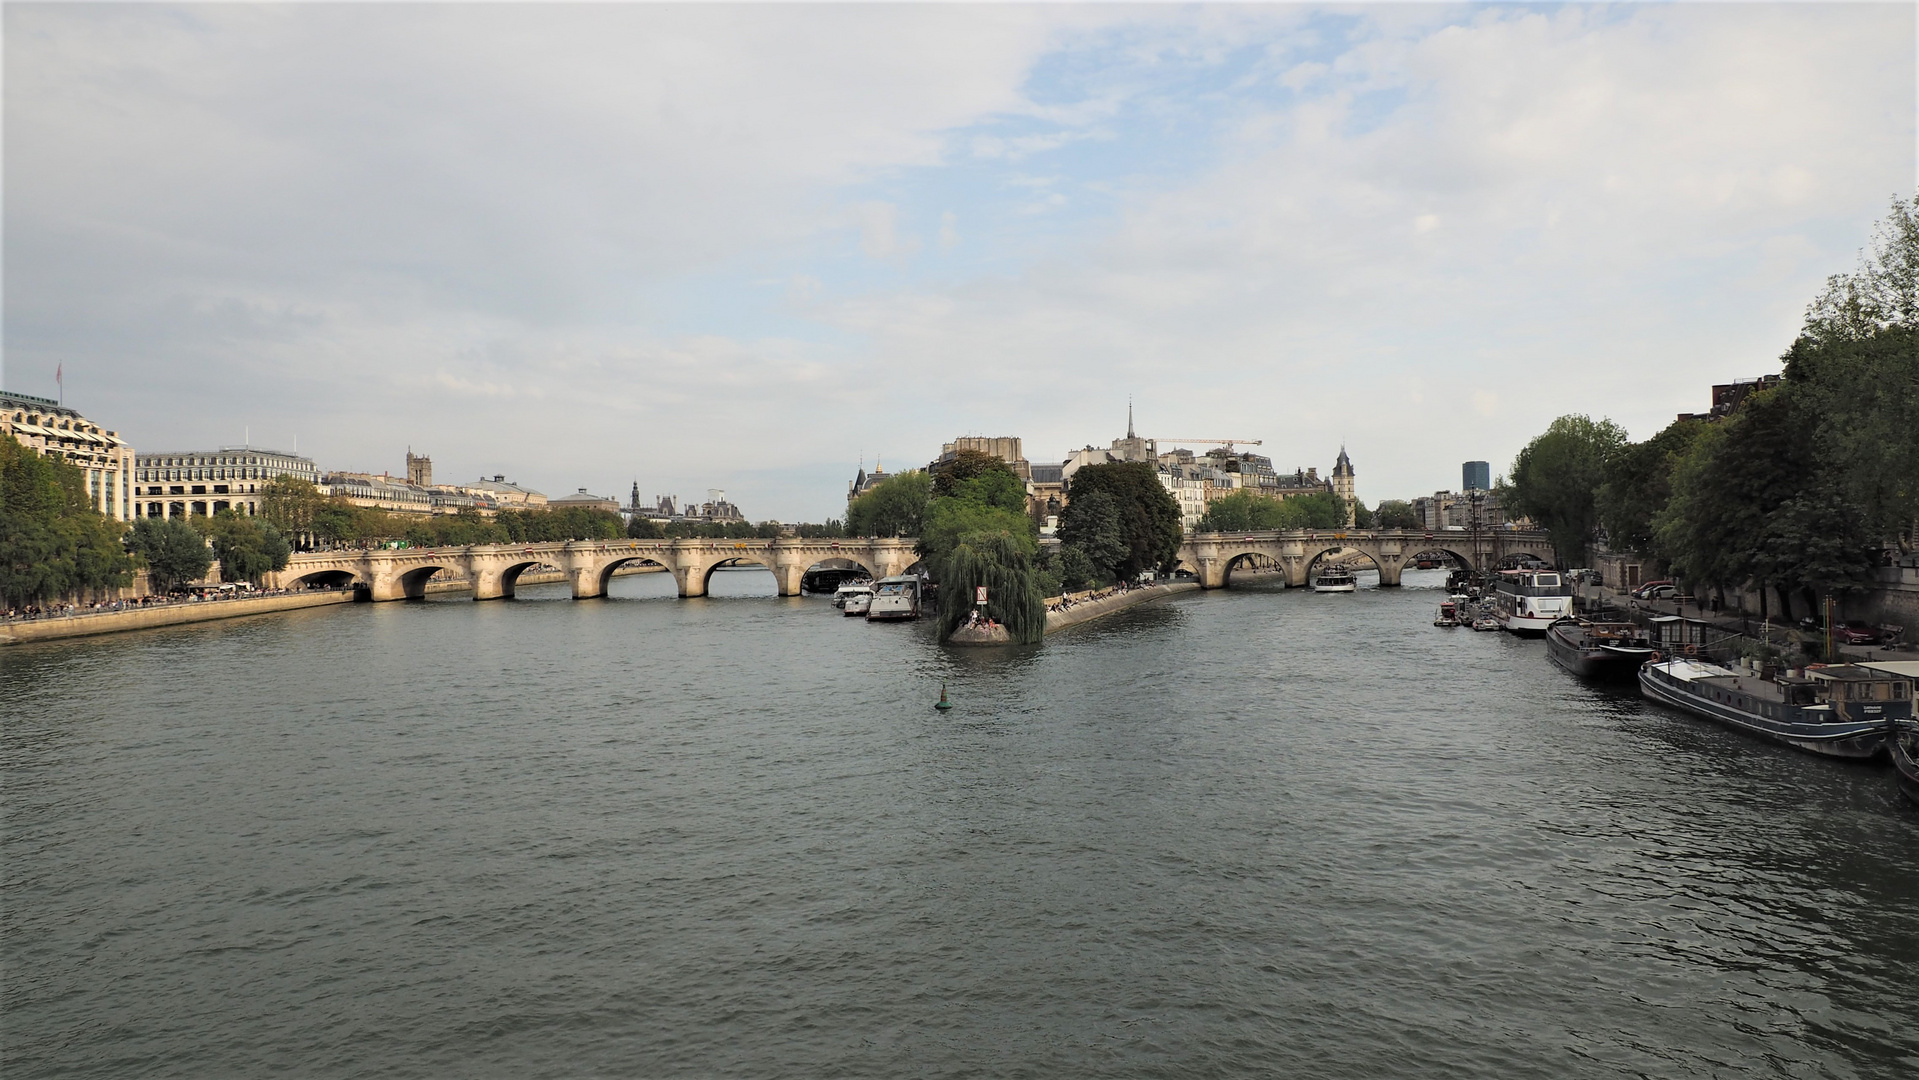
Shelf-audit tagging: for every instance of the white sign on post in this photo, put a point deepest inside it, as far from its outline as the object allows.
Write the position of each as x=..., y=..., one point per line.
x=981, y=597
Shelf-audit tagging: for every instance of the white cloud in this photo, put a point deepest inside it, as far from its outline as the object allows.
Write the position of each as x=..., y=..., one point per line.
x=515, y=236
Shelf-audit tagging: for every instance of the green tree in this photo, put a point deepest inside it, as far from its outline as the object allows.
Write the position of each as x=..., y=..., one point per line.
x=337, y=521
x=175, y=553
x=290, y=504
x=1556, y=479
x=1363, y=518
x=971, y=465
x=248, y=548
x=1396, y=514
x=1882, y=294
x=1244, y=511
x=1638, y=484
x=52, y=542
x=949, y=519
x=1093, y=529
x=1000, y=561
x=644, y=529
x=1863, y=394
x=1148, y=517
x=894, y=507
x=1753, y=502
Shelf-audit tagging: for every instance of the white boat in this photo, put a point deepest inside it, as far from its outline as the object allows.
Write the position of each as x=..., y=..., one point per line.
x=850, y=588
x=1529, y=601
x=854, y=598
x=1485, y=622
x=1335, y=579
x=895, y=598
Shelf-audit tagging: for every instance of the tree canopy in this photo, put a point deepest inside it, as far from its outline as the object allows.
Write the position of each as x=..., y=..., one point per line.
x=1396, y=514
x=52, y=542
x=247, y=547
x=1136, y=528
x=175, y=552
x=1638, y=484
x=896, y=506
x=1244, y=511
x=974, y=531
x=1556, y=478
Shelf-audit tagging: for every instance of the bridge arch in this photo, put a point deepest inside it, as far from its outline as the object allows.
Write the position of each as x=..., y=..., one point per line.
x=413, y=580
x=1250, y=562
x=647, y=558
x=765, y=560
x=334, y=578
x=837, y=565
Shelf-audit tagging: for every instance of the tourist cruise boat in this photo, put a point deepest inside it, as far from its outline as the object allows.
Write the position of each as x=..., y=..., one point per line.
x=1335, y=579
x=1841, y=711
x=1595, y=649
x=1529, y=601
x=895, y=598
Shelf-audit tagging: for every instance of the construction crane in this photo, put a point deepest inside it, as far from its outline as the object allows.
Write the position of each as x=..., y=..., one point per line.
x=1227, y=443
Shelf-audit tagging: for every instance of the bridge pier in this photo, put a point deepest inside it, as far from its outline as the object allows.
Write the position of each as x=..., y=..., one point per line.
x=789, y=575
x=692, y=579
x=489, y=583
x=1391, y=559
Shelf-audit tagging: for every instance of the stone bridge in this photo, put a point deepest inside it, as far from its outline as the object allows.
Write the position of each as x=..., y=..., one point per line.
x=402, y=573
x=1213, y=556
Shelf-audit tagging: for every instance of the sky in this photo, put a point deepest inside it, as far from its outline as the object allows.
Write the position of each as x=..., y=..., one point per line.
x=753, y=247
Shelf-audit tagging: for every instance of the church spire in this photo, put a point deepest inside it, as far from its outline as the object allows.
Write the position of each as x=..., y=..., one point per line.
x=1129, y=416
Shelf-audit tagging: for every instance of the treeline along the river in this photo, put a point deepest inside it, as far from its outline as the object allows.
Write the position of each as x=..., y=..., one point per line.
x=1806, y=487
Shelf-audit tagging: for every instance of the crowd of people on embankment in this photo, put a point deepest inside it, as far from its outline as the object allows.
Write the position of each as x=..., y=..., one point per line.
x=1071, y=601
x=31, y=612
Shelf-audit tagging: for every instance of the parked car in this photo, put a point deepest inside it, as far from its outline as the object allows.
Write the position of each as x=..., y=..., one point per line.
x=1644, y=592
x=1658, y=592
x=1854, y=632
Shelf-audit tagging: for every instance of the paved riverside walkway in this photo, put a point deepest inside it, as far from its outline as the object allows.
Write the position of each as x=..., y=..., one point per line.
x=1109, y=602
x=50, y=628
x=1781, y=635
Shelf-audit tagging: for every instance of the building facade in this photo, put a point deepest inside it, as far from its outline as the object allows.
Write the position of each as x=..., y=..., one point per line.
x=585, y=500
x=182, y=483
x=378, y=491
x=53, y=430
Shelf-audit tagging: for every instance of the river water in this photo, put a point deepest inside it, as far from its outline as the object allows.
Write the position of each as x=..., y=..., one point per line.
x=1250, y=832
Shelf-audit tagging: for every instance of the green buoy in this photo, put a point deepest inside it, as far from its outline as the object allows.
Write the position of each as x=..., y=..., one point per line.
x=942, y=704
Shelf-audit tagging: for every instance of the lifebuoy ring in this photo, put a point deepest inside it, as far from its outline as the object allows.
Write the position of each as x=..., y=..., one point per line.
x=1655, y=658
x=1692, y=650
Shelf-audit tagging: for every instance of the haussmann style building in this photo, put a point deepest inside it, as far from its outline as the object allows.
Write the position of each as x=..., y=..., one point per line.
x=181, y=483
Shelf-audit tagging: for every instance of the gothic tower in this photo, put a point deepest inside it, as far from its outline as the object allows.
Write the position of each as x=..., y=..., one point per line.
x=1343, y=483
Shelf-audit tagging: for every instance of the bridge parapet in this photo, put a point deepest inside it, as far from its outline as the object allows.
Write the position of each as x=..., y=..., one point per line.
x=493, y=569
x=1211, y=556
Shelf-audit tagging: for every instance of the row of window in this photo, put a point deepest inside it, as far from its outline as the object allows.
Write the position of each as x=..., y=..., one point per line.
x=249, y=473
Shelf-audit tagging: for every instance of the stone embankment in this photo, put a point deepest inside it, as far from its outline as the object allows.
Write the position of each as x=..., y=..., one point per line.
x=1088, y=610
x=111, y=622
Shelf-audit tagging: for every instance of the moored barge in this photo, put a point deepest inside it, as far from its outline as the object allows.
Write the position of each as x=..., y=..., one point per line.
x=1598, y=649
x=1842, y=711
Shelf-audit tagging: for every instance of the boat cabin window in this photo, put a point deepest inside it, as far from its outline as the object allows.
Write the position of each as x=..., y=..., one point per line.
x=1547, y=581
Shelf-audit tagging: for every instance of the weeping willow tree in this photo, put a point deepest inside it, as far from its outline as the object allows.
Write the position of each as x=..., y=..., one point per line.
x=1002, y=563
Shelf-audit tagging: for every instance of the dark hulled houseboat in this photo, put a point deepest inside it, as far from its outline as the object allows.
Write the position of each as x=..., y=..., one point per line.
x=1841, y=711
x=1598, y=649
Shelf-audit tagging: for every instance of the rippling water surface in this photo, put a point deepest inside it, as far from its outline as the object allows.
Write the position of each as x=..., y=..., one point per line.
x=1238, y=833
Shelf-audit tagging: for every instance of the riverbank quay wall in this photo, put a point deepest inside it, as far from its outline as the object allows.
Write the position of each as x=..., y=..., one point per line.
x=1212, y=556
x=494, y=569
x=1106, y=605
x=113, y=622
